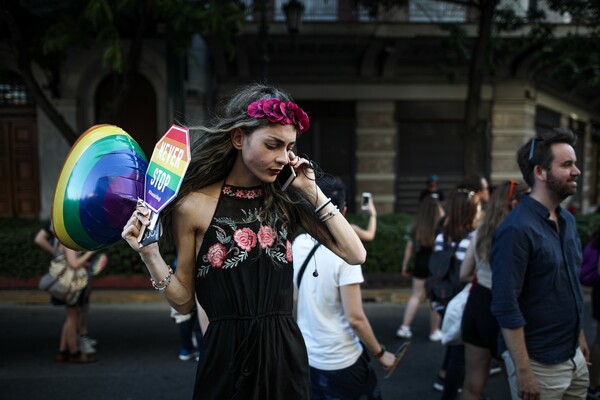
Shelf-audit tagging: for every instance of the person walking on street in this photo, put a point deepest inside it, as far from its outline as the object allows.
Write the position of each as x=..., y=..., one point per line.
x=479, y=327
x=46, y=240
x=332, y=319
x=420, y=239
x=232, y=225
x=70, y=348
x=463, y=209
x=432, y=189
x=535, y=260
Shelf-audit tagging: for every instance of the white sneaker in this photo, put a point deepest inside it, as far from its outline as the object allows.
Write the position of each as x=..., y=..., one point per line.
x=404, y=332
x=436, y=336
x=85, y=346
x=88, y=339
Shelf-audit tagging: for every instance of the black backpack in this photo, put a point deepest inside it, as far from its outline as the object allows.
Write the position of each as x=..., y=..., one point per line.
x=443, y=282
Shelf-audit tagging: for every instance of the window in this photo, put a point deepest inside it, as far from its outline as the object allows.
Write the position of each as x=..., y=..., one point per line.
x=546, y=118
x=13, y=91
x=429, y=11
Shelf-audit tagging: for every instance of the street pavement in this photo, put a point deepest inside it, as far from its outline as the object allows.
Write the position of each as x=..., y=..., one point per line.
x=138, y=345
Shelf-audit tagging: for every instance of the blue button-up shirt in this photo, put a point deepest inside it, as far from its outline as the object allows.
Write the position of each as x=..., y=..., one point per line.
x=535, y=285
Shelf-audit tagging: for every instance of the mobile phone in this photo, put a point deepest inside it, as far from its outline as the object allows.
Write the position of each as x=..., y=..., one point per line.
x=286, y=176
x=364, y=202
x=400, y=354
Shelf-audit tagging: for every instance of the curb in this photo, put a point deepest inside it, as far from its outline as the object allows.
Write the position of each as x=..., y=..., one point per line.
x=111, y=296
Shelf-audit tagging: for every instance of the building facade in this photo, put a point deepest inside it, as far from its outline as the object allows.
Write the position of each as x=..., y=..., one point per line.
x=386, y=104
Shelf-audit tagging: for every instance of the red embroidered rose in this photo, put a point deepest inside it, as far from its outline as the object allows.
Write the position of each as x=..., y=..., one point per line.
x=216, y=255
x=245, y=238
x=288, y=251
x=266, y=236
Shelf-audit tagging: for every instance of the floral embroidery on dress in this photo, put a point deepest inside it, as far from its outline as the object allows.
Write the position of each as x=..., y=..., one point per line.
x=245, y=238
x=266, y=236
x=242, y=193
x=237, y=241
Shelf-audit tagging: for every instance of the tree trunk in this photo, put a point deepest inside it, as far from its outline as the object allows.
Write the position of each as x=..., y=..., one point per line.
x=474, y=136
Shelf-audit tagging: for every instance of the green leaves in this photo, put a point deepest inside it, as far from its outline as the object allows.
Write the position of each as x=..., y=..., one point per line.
x=21, y=258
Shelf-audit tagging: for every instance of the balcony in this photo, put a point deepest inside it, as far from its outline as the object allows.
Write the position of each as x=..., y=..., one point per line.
x=416, y=11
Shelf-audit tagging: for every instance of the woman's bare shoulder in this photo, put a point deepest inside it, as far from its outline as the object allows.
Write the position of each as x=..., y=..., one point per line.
x=199, y=205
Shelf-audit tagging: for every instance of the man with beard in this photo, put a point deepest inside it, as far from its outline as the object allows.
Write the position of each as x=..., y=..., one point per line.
x=536, y=296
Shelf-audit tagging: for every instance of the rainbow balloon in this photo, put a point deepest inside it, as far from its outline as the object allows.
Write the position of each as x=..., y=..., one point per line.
x=98, y=187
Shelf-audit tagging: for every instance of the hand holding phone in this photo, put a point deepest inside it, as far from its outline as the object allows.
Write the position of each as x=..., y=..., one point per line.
x=364, y=203
x=286, y=176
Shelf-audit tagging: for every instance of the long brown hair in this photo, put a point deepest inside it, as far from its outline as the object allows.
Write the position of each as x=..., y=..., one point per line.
x=425, y=222
x=213, y=157
x=499, y=206
x=461, y=209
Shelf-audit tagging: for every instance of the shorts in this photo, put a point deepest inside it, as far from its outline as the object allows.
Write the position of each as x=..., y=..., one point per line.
x=421, y=268
x=357, y=381
x=479, y=326
x=82, y=300
x=566, y=380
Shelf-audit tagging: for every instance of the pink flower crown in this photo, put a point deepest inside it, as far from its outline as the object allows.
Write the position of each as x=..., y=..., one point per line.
x=284, y=112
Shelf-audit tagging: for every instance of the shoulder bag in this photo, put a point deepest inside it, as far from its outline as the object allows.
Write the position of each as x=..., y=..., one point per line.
x=63, y=281
x=443, y=282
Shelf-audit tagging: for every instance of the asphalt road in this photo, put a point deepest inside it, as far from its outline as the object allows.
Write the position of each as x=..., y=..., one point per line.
x=138, y=347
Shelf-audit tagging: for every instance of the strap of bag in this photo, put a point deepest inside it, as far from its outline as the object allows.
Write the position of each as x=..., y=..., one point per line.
x=305, y=263
x=452, y=245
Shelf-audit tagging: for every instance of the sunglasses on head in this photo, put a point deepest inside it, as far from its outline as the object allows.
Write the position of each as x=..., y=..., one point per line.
x=532, y=147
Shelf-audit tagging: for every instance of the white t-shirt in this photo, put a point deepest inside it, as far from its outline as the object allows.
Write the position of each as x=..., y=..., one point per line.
x=330, y=341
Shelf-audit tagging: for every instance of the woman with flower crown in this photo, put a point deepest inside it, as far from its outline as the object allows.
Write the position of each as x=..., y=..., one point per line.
x=232, y=227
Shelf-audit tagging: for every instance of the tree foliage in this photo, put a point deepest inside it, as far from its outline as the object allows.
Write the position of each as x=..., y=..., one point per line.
x=42, y=34
x=570, y=61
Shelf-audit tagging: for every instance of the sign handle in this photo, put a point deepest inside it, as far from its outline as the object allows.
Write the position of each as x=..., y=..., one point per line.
x=151, y=233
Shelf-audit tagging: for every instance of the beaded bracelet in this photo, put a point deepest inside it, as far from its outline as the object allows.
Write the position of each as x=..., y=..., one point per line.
x=329, y=214
x=163, y=283
x=322, y=206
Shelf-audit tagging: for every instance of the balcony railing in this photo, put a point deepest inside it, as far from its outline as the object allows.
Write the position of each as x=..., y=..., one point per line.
x=417, y=11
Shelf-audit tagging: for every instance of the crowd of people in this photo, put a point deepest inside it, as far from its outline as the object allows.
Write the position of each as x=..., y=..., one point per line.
x=271, y=331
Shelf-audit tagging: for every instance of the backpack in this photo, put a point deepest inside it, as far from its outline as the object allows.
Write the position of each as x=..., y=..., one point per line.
x=443, y=282
x=588, y=275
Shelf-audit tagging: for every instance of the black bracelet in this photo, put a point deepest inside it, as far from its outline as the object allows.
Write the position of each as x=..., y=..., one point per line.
x=322, y=206
x=380, y=354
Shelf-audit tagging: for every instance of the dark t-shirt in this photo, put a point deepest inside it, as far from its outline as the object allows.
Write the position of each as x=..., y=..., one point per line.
x=438, y=194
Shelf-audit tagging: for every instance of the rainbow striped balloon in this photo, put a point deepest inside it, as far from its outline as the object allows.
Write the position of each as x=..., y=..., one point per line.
x=98, y=187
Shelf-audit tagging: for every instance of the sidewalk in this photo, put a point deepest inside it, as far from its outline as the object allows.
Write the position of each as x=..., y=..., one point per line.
x=135, y=288
x=34, y=296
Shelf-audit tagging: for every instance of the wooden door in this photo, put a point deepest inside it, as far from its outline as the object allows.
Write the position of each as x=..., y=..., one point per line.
x=19, y=169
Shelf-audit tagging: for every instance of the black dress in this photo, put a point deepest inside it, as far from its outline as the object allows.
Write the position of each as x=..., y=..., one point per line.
x=252, y=348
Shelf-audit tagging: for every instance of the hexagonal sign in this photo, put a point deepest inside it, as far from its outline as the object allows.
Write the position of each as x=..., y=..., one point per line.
x=167, y=167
